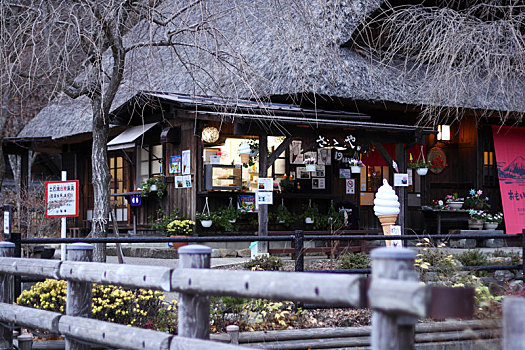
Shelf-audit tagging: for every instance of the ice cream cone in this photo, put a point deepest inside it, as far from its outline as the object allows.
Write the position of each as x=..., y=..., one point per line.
x=386, y=222
x=245, y=157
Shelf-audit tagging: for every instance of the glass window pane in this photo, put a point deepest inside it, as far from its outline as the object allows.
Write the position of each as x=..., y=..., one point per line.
x=280, y=166
x=156, y=151
x=155, y=167
x=119, y=162
x=144, y=169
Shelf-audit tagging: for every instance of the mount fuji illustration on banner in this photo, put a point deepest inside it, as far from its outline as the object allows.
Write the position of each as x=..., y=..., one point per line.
x=509, y=144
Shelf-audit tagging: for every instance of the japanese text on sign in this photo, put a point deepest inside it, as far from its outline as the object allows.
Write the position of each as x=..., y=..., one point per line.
x=62, y=198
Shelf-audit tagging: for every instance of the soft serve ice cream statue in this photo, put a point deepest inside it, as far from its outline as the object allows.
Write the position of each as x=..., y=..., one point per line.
x=386, y=207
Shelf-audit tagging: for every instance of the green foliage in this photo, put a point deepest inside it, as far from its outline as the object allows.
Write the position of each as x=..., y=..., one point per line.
x=353, y=261
x=446, y=272
x=418, y=164
x=515, y=257
x=264, y=263
x=285, y=217
x=161, y=220
x=134, y=307
x=473, y=257
x=224, y=218
x=310, y=212
x=181, y=227
x=203, y=216
x=333, y=221
x=146, y=187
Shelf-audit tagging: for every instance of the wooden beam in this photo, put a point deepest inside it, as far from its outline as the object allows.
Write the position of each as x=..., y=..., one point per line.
x=383, y=152
x=263, y=208
x=300, y=286
x=280, y=149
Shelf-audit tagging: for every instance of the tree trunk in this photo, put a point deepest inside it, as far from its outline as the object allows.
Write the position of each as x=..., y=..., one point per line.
x=4, y=112
x=100, y=177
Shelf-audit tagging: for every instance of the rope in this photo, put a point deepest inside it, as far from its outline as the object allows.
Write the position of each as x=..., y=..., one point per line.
x=206, y=207
x=101, y=222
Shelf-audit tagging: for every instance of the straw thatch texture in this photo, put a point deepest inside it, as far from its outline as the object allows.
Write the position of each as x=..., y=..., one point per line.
x=276, y=47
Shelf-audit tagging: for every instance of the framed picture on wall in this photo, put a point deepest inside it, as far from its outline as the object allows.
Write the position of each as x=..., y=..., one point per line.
x=318, y=184
x=302, y=173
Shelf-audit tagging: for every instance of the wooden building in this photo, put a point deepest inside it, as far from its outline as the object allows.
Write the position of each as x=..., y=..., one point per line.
x=160, y=112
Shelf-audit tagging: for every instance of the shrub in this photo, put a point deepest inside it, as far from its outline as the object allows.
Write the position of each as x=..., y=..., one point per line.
x=264, y=263
x=180, y=227
x=515, y=257
x=473, y=258
x=354, y=261
x=134, y=307
x=161, y=220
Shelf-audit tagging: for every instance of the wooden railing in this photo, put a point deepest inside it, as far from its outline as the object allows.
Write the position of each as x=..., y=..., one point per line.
x=395, y=295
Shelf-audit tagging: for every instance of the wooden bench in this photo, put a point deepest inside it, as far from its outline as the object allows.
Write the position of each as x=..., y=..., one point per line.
x=333, y=249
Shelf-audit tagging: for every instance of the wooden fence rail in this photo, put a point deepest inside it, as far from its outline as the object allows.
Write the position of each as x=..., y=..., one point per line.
x=396, y=297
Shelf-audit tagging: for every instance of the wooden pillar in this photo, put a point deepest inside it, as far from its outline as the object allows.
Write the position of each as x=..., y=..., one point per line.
x=24, y=188
x=7, y=249
x=194, y=309
x=79, y=294
x=393, y=332
x=263, y=208
x=401, y=160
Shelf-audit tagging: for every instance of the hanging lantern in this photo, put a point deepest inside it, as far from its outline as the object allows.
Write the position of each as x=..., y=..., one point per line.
x=210, y=134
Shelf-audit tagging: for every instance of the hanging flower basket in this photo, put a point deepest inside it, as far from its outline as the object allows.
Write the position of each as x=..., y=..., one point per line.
x=422, y=171
x=355, y=169
x=206, y=223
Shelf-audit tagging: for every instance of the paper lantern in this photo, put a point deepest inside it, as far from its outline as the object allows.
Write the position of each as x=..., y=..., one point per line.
x=210, y=134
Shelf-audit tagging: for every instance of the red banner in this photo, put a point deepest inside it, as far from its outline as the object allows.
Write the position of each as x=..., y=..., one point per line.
x=509, y=143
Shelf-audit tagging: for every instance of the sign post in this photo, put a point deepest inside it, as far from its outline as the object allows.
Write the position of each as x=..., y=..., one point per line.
x=8, y=221
x=62, y=201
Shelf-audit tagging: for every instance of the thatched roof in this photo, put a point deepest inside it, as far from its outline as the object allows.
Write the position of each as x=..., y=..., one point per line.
x=283, y=53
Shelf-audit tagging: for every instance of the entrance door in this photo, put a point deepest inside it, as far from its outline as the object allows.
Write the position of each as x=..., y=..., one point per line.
x=120, y=183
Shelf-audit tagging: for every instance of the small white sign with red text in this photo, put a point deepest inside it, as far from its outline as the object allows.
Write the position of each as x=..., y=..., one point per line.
x=62, y=198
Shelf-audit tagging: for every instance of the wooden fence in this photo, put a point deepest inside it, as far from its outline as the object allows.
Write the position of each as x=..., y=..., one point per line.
x=395, y=295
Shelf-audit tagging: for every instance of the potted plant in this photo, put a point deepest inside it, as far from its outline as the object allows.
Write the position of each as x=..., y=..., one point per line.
x=205, y=219
x=476, y=218
x=180, y=228
x=310, y=164
x=285, y=217
x=420, y=166
x=161, y=219
x=226, y=217
x=310, y=213
x=453, y=201
x=492, y=221
x=476, y=200
x=151, y=185
x=356, y=165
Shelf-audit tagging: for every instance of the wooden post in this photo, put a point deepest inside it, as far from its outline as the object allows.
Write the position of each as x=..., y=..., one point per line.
x=513, y=323
x=194, y=309
x=25, y=342
x=401, y=161
x=299, y=250
x=79, y=296
x=393, y=332
x=7, y=249
x=233, y=332
x=263, y=208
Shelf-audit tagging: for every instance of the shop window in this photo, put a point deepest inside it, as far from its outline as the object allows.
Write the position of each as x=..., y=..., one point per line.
x=149, y=162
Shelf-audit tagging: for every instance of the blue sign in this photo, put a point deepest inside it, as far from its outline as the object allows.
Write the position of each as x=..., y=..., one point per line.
x=135, y=200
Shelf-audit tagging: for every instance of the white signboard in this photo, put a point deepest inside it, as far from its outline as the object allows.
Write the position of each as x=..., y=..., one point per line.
x=62, y=198
x=395, y=230
x=263, y=198
x=7, y=229
x=401, y=179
